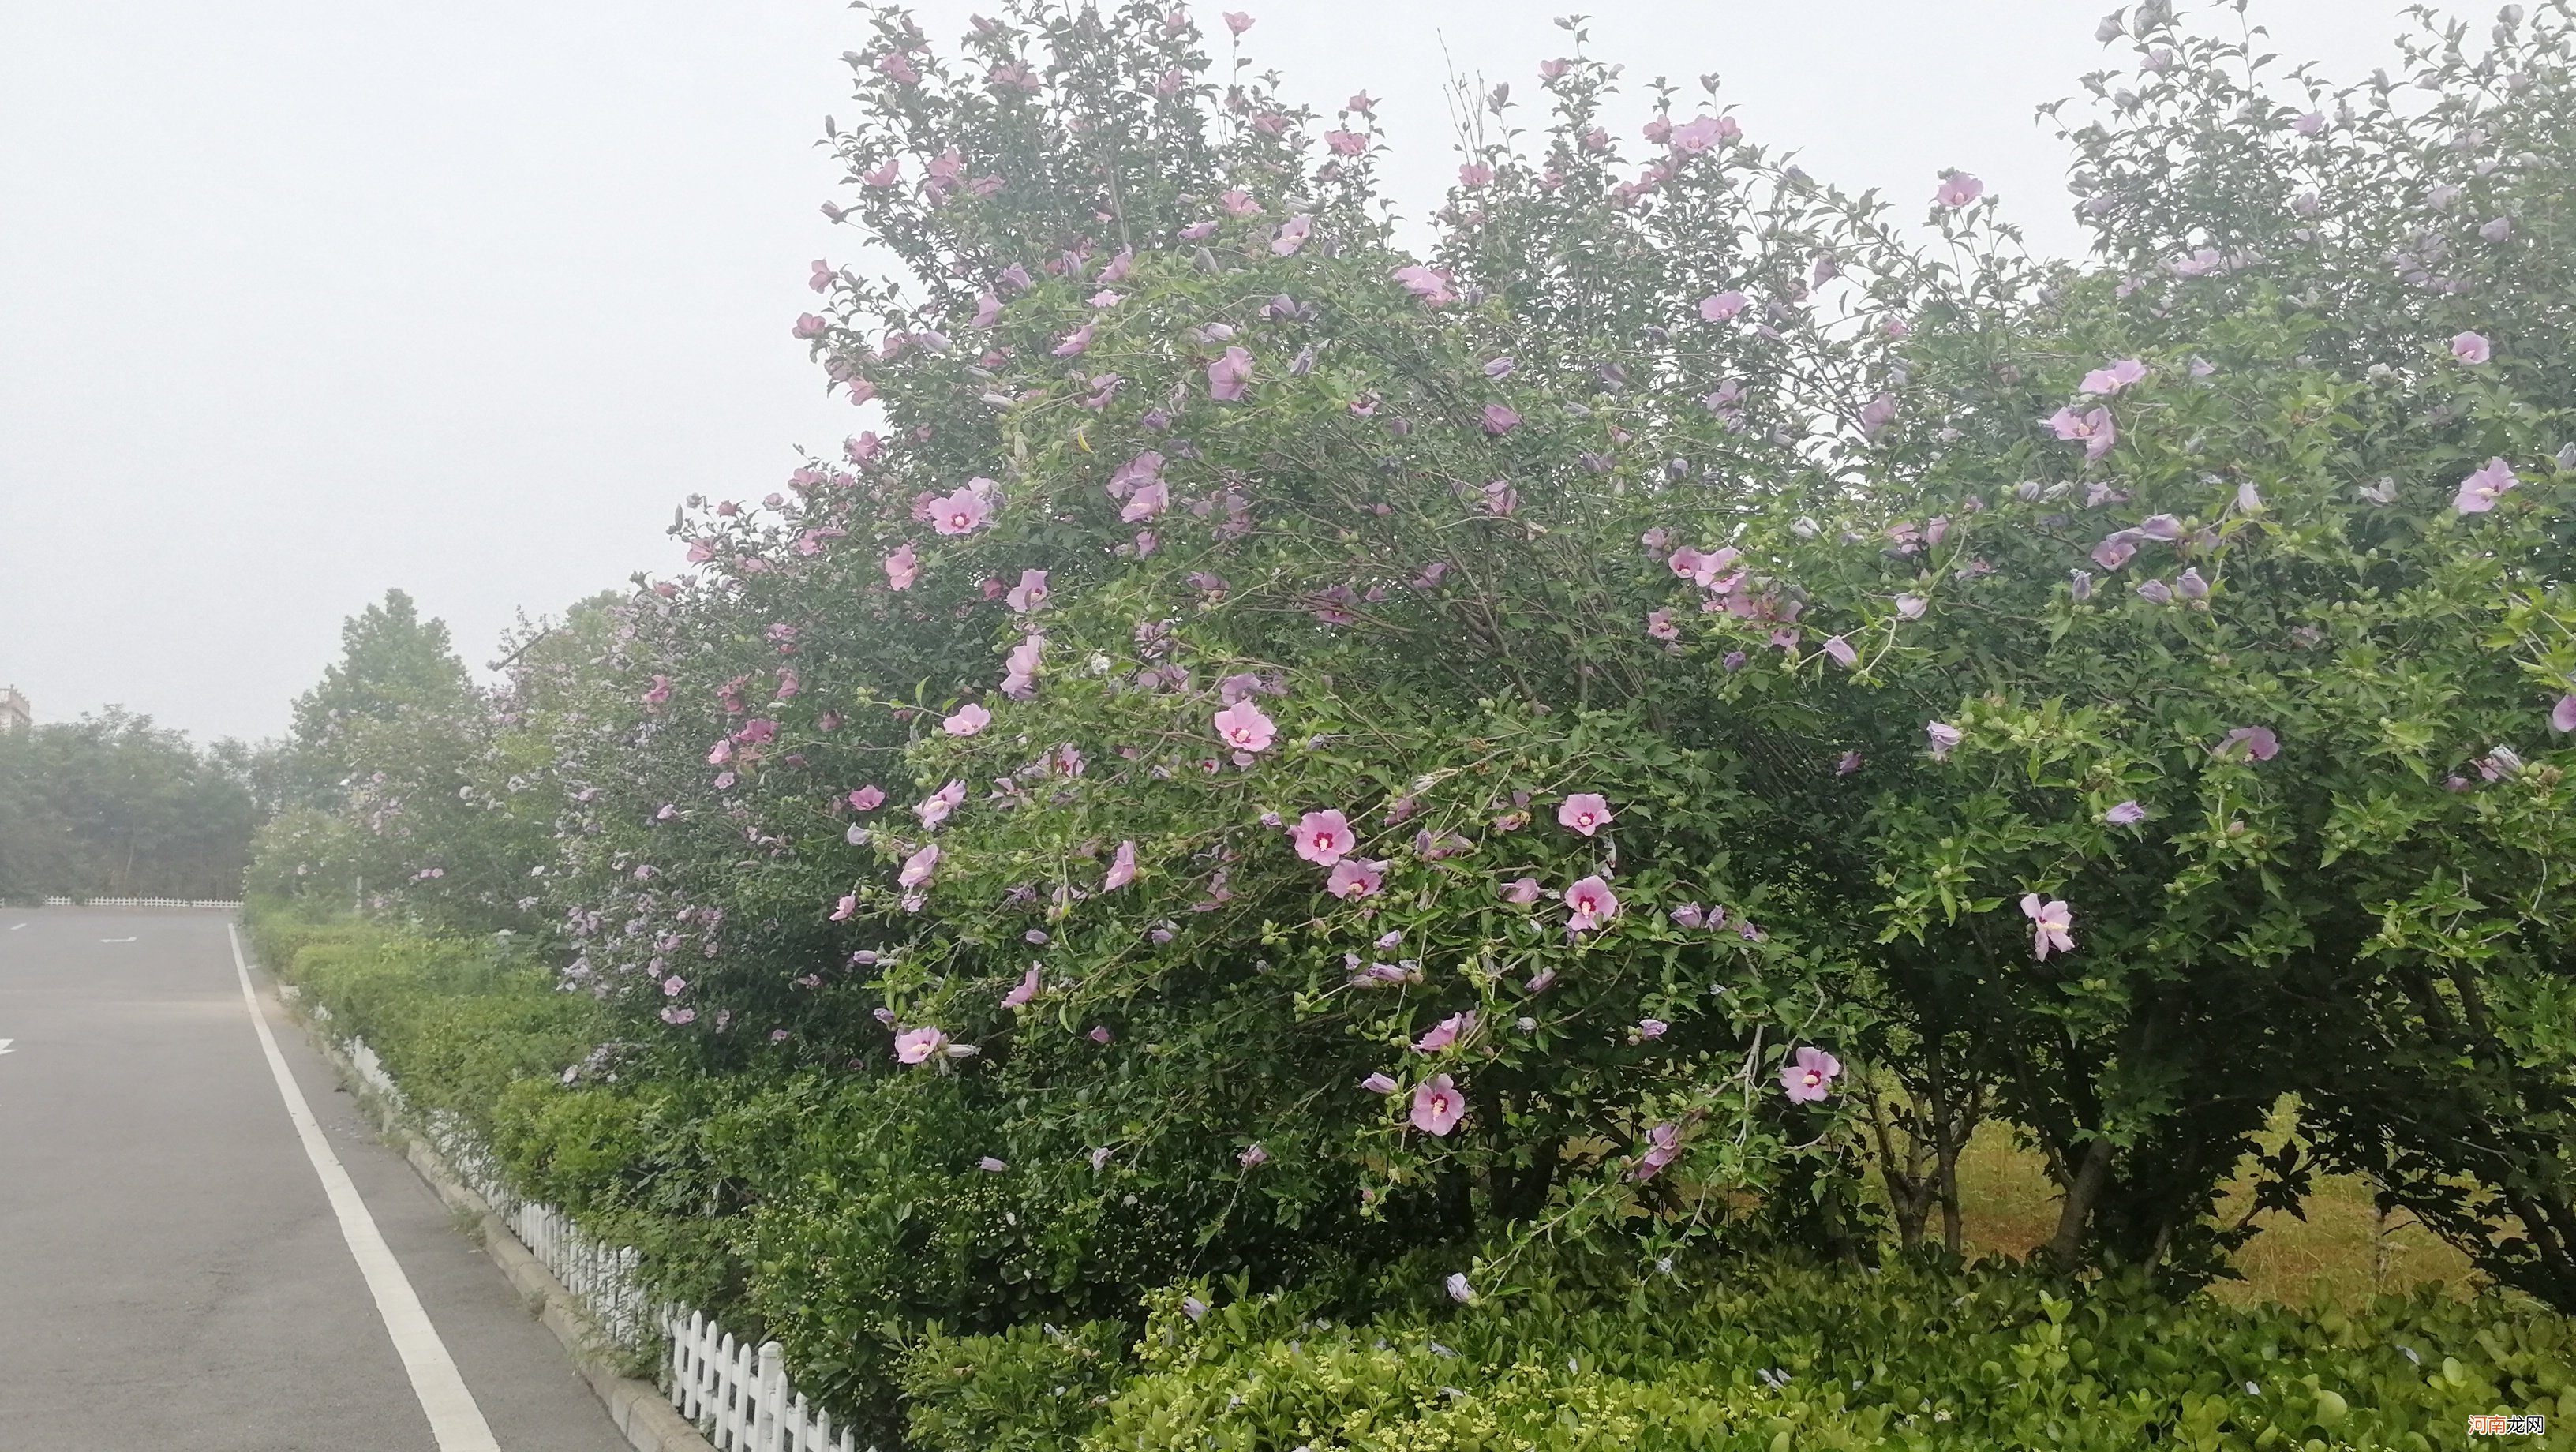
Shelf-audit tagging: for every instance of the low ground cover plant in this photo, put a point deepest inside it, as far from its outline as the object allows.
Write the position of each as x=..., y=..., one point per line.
x=1752, y=1356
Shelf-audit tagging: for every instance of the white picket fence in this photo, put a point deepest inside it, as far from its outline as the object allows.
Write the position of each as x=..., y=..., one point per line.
x=178, y=902
x=603, y=1278
x=738, y=1395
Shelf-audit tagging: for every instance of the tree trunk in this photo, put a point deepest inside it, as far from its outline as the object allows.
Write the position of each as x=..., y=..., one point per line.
x=2550, y=1229
x=1953, y=1228
x=1523, y=1196
x=1912, y=1210
x=1947, y=1138
x=2082, y=1189
x=1908, y=1196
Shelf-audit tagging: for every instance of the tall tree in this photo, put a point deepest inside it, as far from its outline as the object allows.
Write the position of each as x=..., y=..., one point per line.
x=393, y=663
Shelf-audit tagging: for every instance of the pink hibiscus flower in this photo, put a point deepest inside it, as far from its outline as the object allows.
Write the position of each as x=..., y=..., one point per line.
x=1230, y=376
x=1122, y=868
x=2093, y=428
x=1422, y=282
x=1323, y=838
x=2052, y=925
x=1353, y=879
x=919, y=1045
x=963, y=512
x=1438, y=1106
x=1809, y=1075
x=1446, y=1032
x=1593, y=904
x=2480, y=491
x=1244, y=727
x=2110, y=380
x=1585, y=812
x=918, y=867
x=1027, y=990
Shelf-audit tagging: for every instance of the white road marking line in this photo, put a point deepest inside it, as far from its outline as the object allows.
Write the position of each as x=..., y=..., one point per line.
x=455, y=1422
x=116, y=940
x=13, y=927
x=4, y=1045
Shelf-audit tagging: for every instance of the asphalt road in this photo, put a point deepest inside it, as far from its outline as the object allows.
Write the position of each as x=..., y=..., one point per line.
x=172, y=1274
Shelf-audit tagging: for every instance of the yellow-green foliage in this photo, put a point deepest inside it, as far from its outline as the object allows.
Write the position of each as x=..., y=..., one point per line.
x=1033, y=1388
x=456, y=1021
x=1766, y=1356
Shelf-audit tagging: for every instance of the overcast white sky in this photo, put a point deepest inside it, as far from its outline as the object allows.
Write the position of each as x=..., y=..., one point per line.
x=302, y=299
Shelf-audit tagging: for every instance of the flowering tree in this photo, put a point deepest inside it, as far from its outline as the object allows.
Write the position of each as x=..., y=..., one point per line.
x=2386, y=244
x=1245, y=722
x=1265, y=747
x=2221, y=658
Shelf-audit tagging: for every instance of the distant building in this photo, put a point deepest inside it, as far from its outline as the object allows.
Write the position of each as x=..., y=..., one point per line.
x=15, y=714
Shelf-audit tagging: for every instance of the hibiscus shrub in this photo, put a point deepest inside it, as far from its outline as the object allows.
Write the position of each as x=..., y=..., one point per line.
x=1272, y=757
x=1286, y=888
x=2256, y=655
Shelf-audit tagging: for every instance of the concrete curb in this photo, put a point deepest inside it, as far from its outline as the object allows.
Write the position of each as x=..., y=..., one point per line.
x=646, y=1417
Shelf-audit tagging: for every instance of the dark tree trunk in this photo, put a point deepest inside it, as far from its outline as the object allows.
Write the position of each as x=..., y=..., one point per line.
x=1909, y=1191
x=1935, y=1119
x=1949, y=1136
x=2082, y=1189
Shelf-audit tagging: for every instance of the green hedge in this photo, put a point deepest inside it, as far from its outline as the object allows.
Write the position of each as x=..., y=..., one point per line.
x=1760, y=1356
x=457, y=1022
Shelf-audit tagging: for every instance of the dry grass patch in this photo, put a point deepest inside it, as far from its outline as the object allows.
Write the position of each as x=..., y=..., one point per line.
x=2343, y=1253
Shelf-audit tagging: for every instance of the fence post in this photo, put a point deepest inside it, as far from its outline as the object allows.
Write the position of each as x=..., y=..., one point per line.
x=688, y=1351
x=773, y=1393
x=729, y=1390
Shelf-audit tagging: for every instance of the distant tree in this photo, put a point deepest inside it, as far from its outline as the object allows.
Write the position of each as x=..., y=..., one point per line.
x=393, y=664
x=111, y=805
x=260, y=767
x=414, y=792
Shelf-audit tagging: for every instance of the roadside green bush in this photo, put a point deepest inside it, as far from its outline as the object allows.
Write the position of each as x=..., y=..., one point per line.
x=456, y=1021
x=1760, y=1356
x=1029, y=1389
x=840, y=1216
x=774, y=1204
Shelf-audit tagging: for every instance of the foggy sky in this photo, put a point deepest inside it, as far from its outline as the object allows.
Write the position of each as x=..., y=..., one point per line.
x=302, y=299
